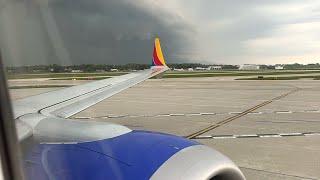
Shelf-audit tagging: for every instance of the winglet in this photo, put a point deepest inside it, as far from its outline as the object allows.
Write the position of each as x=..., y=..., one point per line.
x=157, y=59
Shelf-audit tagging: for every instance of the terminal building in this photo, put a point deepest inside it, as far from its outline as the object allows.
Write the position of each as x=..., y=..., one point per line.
x=214, y=67
x=249, y=67
x=278, y=67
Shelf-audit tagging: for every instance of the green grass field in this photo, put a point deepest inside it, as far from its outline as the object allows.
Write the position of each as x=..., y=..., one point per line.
x=169, y=74
x=38, y=86
x=231, y=73
x=83, y=78
x=62, y=75
x=282, y=78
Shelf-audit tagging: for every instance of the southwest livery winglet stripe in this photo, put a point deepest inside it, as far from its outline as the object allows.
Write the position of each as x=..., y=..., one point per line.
x=159, y=51
x=158, y=59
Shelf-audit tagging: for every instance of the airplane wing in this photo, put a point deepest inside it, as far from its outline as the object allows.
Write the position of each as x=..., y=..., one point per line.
x=66, y=102
x=69, y=101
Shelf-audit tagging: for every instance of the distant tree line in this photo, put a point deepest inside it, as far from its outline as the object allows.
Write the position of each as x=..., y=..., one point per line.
x=54, y=68
x=301, y=66
x=195, y=65
x=267, y=66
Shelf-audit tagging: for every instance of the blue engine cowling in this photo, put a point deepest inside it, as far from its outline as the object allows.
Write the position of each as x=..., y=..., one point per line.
x=134, y=155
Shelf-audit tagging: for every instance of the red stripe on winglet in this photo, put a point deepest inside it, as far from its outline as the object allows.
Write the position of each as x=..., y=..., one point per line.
x=156, y=60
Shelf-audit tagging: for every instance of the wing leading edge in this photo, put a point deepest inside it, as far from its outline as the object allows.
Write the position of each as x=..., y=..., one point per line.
x=69, y=101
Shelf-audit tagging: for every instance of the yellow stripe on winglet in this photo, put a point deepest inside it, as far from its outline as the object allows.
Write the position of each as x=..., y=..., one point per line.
x=159, y=51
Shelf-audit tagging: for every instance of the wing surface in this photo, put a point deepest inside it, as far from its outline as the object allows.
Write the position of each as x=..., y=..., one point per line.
x=69, y=101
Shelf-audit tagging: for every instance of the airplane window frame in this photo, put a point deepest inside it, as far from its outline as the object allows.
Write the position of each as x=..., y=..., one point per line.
x=10, y=152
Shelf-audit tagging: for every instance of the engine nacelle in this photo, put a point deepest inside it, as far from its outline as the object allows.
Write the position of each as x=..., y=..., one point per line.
x=198, y=162
x=191, y=160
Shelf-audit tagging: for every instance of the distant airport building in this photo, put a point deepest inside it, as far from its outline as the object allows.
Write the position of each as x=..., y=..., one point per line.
x=214, y=67
x=76, y=71
x=249, y=67
x=190, y=69
x=114, y=70
x=177, y=69
x=200, y=68
x=278, y=67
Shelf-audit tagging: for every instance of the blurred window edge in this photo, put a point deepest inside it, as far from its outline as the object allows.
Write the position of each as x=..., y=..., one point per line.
x=10, y=152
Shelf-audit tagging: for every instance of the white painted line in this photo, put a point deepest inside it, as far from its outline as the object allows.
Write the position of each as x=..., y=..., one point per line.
x=269, y=135
x=255, y=113
x=177, y=114
x=203, y=113
x=119, y=116
x=283, y=112
x=194, y=114
x=311, y=134
x=204, y=137
x=135, y=116
x=207, y=113
x=223, y=137
x=291, y=134
x=246, y=135
x=104, y=117
x=163, y=115
x=82, y=117
x=221, y=113
x=257, y=135
x=235, y=112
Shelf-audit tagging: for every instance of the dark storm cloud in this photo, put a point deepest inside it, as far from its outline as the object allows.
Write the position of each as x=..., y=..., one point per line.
x=122, y=31
x=117, y=31
x=89, y=31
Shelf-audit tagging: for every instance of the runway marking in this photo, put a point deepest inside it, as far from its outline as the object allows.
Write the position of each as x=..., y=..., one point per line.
x=291, y=134
x=282, y=112
x=224, y=137
x=312, y=111
x=206, y=114
x=177, y=114
x=82, y=117
x=234, y=112
x=246, y=136
x=194, y=114
x=204, y=137
x=163, y=115
x=232, y=118
x=288, y=121
x=198, y=114
x=256, y=113
x=266, y=135
x=312, y=134
x=278, y=173
x=117, y=116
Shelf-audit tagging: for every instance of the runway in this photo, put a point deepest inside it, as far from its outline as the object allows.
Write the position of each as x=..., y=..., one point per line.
x=270, y=129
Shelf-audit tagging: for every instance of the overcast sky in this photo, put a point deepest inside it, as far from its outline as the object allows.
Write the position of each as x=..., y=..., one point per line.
x=204, y=31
